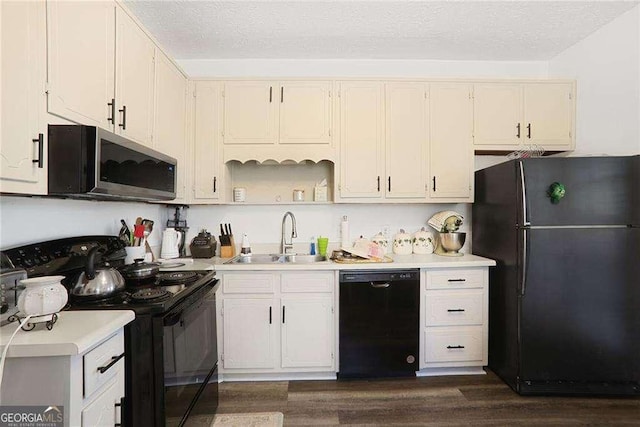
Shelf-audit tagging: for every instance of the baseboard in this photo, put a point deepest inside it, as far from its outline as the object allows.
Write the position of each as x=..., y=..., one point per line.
x=435, y=372
x=280, y=376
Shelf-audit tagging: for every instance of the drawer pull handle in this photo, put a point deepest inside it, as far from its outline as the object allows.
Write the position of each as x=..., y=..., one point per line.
x=114, y=360
x=456, y=280
x=454, y=346
x=451, y=310
x=121, y=406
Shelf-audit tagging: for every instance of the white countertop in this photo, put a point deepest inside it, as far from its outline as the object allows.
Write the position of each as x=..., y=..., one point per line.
x=399, y=261
x=75, y=332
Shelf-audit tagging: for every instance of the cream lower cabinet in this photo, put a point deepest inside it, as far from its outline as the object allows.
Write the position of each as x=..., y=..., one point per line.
x=454, y=320
x=383, y=140
x=515, y=115
x=23, y=129
x=207, y=134
x=277, y=322
x=105, y=77
x=450, y=142
x=89, y=386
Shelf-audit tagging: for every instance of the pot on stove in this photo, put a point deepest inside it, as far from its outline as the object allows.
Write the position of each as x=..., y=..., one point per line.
x=139, y=270
x=99, y=282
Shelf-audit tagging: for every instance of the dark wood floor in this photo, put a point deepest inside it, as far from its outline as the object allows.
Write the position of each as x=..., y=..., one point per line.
x=474, y=400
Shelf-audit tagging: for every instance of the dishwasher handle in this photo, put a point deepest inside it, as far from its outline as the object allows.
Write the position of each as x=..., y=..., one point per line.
x=380, y=285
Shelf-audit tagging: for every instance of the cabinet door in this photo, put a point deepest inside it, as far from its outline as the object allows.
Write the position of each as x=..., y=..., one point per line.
x=451, y=151
x=249, y=333
x=251, y=112
x=361, y=140
x=81, y=55
x=406, y=140
x=497, y=115
x=207, y=124
x=548, y=112
x=134, y=80
x=170, y=118
x=307, y=331
x=23, y=97
x=103, y=412
x=305, y=112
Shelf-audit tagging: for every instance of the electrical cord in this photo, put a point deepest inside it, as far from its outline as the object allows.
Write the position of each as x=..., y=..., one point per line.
x=6, y=347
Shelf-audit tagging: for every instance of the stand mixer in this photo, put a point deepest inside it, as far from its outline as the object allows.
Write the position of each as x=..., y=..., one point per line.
x=180, y=225
x=447, y=224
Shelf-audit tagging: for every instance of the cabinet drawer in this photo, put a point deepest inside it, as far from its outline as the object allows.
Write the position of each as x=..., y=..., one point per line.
x=454, y=344
x=456, y=278
x=247, y=283
x=457, y=307
x=101, y=357
x=307, y=282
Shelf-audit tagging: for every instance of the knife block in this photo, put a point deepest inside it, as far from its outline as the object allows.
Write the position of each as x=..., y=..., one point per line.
x=228, y=251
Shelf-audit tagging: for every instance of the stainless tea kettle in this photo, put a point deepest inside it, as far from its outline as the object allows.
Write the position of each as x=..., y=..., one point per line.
x=97, y=282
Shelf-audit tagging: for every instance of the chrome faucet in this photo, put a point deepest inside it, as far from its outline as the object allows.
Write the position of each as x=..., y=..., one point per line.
x=285, y=247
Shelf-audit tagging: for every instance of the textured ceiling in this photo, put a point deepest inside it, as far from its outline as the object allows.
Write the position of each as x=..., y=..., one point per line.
x=342, y=29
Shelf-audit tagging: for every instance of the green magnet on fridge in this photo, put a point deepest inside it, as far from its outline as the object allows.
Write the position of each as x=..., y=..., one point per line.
x=556, y=192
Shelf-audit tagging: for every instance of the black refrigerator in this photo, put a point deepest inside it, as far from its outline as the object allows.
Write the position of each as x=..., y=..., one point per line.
x=564, y=297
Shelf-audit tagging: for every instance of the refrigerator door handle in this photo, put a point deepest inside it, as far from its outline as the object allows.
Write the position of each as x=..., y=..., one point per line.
x=525, y=262
x=525, y=216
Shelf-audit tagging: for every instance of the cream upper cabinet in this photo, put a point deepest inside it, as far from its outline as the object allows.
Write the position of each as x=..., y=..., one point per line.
x=548, y=114
x=81, y=61
x=100, y=68
x=451, y=149
x=361, y=139
x=497, y=119
x=22, y=126
x=134, y=80
x=207, y=130
x=171, y=118
x=516, y=115
x=406, y=142
x=272, y=112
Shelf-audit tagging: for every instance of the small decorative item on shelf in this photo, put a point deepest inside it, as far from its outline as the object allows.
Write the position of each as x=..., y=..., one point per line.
x=423, y=242
x=402, y=243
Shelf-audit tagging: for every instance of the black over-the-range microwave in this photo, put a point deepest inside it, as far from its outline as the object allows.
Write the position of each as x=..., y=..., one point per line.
x=90, y=162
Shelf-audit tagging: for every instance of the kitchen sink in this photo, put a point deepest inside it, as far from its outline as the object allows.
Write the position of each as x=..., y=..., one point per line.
x=276, y=259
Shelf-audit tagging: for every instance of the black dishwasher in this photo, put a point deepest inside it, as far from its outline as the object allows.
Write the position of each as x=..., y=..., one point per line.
x=379, y=323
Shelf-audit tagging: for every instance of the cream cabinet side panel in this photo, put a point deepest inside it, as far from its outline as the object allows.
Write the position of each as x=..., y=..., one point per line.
x=549, y=114
x=451, y=151
x=81, y=55
x=250, y=112
x=135, y=80
x=22, y=124
x=305, y=112
x=406, y=142
x=497, y=115
x=170, y=118
x=207, y=140
x=361, y=139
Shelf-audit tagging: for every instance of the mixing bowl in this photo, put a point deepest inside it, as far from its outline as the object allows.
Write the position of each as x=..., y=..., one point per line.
x=452, y=242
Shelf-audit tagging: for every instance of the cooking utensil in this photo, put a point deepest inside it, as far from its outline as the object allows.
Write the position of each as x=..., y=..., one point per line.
x=97, y=282
x=125, y=233
x=140, y=270
x=450, y=243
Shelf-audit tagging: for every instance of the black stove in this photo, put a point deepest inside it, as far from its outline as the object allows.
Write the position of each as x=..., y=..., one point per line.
x=171, y=356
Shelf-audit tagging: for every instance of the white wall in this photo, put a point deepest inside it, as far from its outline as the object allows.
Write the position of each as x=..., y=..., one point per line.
x=606, y=66
x=25, y=220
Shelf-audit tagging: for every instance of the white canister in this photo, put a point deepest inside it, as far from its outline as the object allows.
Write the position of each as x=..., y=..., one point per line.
x=42, y=295
x=381, y=241
x=239, y=194
x=134, y=253
x=298, y=195
x=423, y=242
x=402, y=243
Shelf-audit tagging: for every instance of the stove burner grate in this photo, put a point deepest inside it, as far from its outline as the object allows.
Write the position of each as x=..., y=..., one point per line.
x=149, y=294
x=176, y=277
